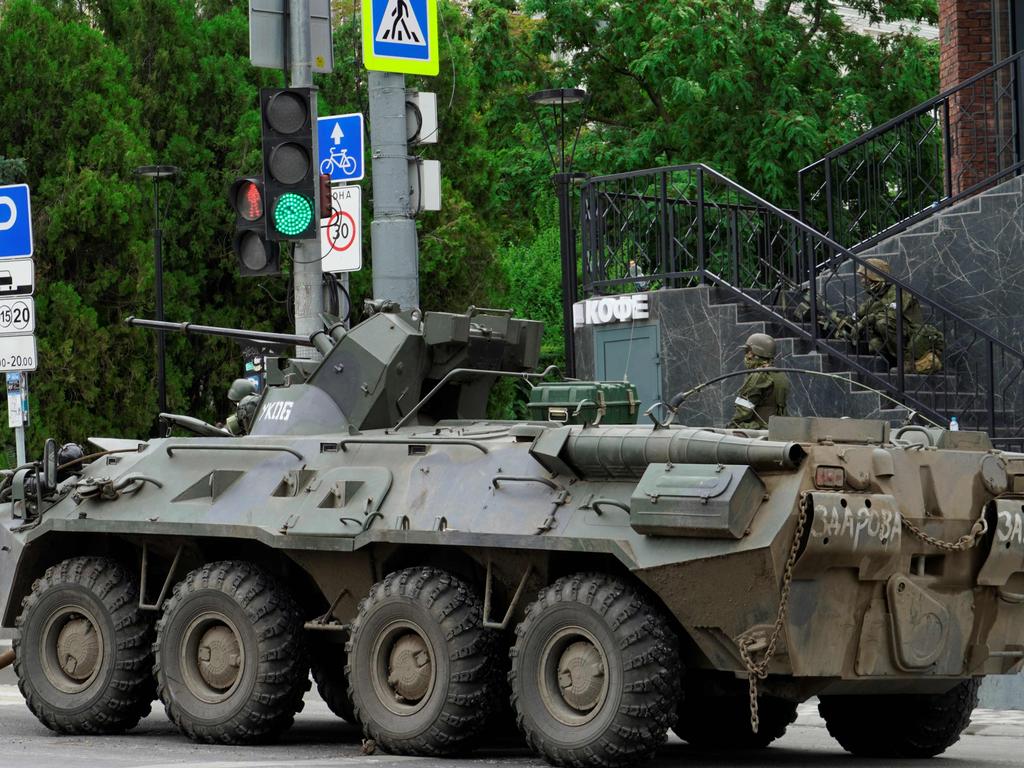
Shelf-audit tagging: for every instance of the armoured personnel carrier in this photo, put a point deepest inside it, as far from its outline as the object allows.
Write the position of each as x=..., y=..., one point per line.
x=611, y=581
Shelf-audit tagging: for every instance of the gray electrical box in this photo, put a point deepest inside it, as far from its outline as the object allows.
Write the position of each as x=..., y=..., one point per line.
x=425, y=183
x=268, y=34
x=421, y=117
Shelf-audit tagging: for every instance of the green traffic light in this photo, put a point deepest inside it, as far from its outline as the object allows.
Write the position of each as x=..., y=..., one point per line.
x=293, y=214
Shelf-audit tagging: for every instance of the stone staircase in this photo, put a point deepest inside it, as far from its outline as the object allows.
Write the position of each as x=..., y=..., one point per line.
x=728, y=324
x=969, y=257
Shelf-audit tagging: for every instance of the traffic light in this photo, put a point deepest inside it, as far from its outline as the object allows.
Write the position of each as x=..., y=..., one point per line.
x=291, y=178
x=256, y=255
x=325, y=196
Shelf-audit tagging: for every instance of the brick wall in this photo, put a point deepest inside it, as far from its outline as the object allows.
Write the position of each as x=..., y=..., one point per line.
x=978, y=121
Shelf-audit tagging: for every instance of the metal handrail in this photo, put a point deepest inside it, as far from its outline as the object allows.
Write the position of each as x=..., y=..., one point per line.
x=872, y=216
x=920, y=109
x=790, y=242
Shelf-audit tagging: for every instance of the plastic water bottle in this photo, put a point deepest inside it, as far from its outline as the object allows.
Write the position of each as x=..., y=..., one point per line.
x=954, y=425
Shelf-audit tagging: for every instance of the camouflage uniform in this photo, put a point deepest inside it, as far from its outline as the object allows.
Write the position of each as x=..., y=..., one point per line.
x=766, y=393
x=876, y=319
x=923, y=344
x=763, y=393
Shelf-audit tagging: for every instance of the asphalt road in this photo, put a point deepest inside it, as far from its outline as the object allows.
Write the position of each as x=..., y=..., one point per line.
x=319, y=740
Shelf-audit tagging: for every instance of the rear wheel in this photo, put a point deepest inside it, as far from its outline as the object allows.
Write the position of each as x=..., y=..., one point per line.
x=84, y=659
x=230, y=661
x=595, y=673
x=715, y=714
x=328, y=661
x=900, y=726
x=420, y=663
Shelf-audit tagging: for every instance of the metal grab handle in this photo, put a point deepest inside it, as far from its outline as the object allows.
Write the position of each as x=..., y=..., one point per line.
x=514, y=479
x=276, y=448
x=410, y=441
x=596, y=505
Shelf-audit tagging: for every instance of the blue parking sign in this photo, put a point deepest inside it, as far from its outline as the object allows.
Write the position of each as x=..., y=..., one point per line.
x=340, y=145
x=15, y=222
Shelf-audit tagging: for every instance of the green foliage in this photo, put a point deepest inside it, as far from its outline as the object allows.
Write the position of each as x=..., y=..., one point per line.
x=91, y=89
x=756, y=95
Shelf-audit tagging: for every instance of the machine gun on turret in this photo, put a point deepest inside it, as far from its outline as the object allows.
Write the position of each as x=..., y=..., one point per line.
x=376, y=374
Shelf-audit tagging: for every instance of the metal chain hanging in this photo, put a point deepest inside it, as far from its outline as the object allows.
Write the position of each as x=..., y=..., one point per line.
x=748, y=646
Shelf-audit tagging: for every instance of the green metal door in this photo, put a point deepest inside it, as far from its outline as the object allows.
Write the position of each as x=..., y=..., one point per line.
x=630, y=353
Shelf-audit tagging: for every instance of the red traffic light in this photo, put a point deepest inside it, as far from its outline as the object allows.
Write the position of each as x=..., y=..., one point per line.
x=247, y=199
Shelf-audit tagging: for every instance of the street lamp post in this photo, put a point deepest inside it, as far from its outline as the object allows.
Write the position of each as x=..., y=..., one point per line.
x=558, y=99
x=158, y=172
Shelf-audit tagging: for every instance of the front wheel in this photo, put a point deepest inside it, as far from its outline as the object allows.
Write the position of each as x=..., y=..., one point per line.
x=230, y=660
x=595, y=674
x=900, y=726
x=83, y=658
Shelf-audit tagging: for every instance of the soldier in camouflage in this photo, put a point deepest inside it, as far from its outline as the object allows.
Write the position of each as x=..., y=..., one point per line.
x=876, y=322
x=763, y=393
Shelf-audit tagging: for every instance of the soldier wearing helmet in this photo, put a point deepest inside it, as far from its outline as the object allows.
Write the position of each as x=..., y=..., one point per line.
x=763, y=393
x=877, y=318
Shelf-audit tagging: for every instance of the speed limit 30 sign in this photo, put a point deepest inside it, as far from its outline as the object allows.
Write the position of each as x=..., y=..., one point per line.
x=342, y=233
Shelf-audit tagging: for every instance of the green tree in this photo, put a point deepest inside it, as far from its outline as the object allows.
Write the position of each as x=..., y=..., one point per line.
x=755, y=94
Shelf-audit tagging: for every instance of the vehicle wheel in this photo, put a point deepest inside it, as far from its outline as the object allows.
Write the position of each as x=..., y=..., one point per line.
x=419, y=663
x=84, y=657
x=723, y=721
x=595, y=673
x=230, y=661
x=900, y=726
x=328, y=661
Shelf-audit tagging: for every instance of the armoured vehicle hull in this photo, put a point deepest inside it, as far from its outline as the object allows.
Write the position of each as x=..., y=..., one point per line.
x=611, y=581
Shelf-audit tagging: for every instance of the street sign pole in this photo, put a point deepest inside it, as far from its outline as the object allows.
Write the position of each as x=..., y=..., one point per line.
x=399, y=37
x=394, y=249
x=19, y=446
x=308, y=277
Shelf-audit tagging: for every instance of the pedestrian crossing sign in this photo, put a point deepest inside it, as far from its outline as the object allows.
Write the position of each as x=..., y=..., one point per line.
x=401, y=36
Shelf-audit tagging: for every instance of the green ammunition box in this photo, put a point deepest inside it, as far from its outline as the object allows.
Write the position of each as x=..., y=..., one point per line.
x=585, y=402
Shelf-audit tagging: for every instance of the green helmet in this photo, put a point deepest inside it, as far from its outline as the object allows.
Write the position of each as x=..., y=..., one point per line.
x=875, y=277
x=240, y=388
x=760, y=344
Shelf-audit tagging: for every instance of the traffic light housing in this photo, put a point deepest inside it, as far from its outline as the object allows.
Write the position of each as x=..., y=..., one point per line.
x=291, y=178
x=256, y=255
x=325, y=196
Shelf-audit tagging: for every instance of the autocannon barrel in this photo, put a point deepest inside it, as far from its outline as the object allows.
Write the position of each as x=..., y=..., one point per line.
x=626, y=452
x=213, y=330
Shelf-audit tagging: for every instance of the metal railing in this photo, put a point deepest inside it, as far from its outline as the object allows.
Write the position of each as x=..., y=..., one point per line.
x=687, y=225
x=945, y=150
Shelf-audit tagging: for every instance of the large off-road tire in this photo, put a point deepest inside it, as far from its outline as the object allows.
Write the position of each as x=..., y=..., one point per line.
x=84, y=656
x=595, y=673
x=231, y=664
x=419, y=663
x=723, y=721
x=900, y=726
x=327, y=661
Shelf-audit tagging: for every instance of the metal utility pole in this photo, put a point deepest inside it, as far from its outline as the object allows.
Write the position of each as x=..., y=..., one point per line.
x=158, y=172
x=393, y=232
x=307, y=275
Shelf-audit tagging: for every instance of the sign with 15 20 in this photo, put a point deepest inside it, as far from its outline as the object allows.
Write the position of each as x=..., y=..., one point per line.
x=17, y=316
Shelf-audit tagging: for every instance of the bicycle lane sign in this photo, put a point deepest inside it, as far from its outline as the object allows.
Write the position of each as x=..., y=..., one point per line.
x=340, y=139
